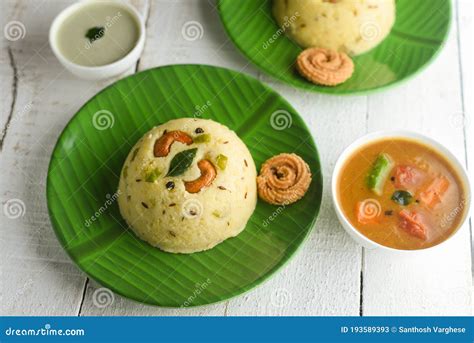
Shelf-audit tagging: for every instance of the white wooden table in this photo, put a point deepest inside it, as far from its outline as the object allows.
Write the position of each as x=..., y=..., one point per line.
x=330, y=275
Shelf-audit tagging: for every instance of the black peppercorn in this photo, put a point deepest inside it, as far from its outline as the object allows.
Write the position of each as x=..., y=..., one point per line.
x=199, y=130
x=169, y=185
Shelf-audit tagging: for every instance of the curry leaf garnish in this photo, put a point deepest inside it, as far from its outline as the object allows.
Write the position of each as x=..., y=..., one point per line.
x=95, y=33
x=181, y=161
x=402, y=197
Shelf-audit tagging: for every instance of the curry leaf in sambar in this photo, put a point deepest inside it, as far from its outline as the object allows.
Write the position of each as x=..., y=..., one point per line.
x=181, y=162
x=402, y=197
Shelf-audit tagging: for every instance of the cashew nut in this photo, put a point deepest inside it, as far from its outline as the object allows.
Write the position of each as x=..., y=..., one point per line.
x=163, y=144
x=208, y=174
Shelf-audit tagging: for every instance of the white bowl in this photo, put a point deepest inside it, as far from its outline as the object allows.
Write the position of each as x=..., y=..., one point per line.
x=356, y=234
x=107, y=70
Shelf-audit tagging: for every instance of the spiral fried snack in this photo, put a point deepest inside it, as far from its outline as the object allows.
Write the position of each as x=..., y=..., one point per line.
x=324, y=67
x=283, y=179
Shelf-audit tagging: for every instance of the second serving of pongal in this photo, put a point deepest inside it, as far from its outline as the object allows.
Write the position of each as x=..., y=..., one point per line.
x=331, y=31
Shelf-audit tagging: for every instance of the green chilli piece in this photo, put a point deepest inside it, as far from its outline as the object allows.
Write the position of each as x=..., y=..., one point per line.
x=402, y=197
x=378, y=173
x=152, y=175
x=221, y=161
x=204, y=138
x=181, y=161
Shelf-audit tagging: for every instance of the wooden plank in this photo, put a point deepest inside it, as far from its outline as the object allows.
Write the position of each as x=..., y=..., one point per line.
x=42, y=280
x=324, y=276
x=435, y=282
x=8, y=84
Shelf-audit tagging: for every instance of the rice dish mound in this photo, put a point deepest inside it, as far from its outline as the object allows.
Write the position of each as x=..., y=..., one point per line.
x=162, y=211
x=350, y=26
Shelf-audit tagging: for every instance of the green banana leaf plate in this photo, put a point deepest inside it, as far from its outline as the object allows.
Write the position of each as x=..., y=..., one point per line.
x=419, y=32
x=84, y=173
